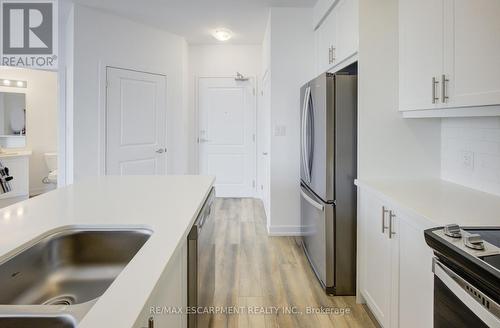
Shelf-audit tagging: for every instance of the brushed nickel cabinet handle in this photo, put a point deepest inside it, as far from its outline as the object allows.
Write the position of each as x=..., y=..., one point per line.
x=435, y=82
x=391, y=216
x=384, y=211
x=444, y=86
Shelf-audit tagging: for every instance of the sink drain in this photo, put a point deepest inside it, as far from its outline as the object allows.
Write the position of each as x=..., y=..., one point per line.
x=60, y=300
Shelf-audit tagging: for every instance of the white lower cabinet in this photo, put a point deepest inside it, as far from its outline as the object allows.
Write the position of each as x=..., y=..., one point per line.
x=395, y=277
x=416, y=280
x=169, y=293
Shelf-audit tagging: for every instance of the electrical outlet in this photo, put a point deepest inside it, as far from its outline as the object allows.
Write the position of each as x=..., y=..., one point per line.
x=466, y=160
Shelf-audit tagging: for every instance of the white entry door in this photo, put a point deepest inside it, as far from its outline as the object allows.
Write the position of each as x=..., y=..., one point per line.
x=135, y=123
x=227, y=135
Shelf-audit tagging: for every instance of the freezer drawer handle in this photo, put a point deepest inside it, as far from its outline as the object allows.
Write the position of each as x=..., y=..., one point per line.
x=486, y=309
x=311, y=201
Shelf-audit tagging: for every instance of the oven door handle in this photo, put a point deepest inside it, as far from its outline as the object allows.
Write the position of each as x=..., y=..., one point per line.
x=462, y=290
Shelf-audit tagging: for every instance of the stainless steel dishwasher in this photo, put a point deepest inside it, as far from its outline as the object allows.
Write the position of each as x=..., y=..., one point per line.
x=201, y=266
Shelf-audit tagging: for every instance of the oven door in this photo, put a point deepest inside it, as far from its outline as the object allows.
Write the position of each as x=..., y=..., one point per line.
x=458, y=304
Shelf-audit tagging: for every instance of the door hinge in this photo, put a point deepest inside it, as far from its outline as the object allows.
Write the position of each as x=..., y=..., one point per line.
x=254, y=91
x=253, y=184
x=253, y=137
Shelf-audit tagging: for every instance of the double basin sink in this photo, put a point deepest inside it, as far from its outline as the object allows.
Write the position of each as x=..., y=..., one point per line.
x=56, y=279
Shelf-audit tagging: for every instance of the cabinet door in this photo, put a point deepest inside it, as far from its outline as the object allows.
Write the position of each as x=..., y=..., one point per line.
x=420, y=53
x=325, y=39
x=416, y=281
x=170, y=292
x=472, y=52
x=376, y=267
x=347, y=29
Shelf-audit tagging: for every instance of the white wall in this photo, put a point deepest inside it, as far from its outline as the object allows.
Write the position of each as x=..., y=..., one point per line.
x=291, y=65
x=388, y=145
x=216, y=61
x=475, y=141
x=41, y=119
x=101, y=40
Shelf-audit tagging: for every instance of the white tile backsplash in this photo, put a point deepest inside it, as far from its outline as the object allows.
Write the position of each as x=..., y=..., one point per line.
x=470, y=152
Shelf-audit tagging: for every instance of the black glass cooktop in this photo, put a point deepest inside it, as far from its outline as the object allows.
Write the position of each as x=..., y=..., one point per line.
x=493, y=260
x=492, y=236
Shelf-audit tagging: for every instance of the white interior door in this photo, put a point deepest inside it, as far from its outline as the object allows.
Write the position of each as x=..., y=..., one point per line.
x=226, y=135
x=135, y=123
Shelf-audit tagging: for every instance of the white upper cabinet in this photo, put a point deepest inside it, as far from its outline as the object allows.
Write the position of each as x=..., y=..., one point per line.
x=347, y=28
x=472, y=52
x=337, y=37
x=449, y=56
x=420, y=53
x=326, y=43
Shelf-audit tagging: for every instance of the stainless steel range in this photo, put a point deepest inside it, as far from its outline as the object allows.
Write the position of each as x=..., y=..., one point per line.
x=466, y=276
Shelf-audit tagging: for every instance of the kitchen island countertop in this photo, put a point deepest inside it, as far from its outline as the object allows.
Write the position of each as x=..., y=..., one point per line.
x=167, y=205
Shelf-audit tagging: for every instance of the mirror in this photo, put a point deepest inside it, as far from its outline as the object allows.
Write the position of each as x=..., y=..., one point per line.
x=12, y=120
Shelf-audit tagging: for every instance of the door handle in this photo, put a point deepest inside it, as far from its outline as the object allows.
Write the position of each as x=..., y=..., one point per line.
x=391, y=216
x=444, y=93
x=200, y=140
x=384, y=211
x=264, y=153
x=161, y=150
x=435, y=83
x=311, y=201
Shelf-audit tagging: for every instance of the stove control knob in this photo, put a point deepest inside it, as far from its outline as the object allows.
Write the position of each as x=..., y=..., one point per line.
x=452, y=230
x=474, y=241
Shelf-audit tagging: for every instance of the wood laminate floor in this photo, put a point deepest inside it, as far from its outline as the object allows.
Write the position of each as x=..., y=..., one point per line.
x=255, y=271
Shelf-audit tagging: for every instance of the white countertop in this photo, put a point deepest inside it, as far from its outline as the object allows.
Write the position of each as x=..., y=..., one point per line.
x=439, y=202
x=167, y=205
x=15, y=153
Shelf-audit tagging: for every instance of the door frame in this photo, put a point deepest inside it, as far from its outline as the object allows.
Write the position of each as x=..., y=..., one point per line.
x=102, y=123
x=254, y=84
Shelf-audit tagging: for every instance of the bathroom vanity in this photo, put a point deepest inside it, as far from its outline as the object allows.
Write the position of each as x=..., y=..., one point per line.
x=162, y=208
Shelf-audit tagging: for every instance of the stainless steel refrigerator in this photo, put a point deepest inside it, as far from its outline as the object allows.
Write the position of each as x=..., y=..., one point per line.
x=327, y=172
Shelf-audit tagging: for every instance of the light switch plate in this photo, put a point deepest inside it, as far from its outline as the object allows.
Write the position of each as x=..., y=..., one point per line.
x=280, y=130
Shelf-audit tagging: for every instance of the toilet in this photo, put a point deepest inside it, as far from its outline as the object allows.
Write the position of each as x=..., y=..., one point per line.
x=51, y=161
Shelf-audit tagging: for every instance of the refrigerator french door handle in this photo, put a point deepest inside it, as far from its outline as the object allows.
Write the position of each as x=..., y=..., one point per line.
x=311, y=201
x=304, y=134
x=310, y=136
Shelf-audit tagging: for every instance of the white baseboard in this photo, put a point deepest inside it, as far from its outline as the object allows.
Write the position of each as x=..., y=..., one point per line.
x=288, y=231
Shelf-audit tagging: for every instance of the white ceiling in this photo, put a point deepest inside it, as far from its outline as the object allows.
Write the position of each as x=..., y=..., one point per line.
x=195, y=19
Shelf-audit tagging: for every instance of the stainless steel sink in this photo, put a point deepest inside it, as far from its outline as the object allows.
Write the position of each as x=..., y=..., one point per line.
x=64, y=272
